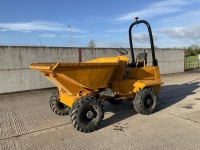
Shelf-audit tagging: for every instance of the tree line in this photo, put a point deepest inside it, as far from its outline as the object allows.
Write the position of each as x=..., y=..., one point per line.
x=192, y=50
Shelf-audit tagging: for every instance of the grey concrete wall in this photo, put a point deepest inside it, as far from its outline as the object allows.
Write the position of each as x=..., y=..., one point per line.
x=15, y=60
x=169, y=60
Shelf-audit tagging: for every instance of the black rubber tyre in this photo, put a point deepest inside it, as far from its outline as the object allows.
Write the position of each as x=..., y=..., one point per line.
x=58, y=107
x=145, y=101
x=113, y=101
x=87, y=114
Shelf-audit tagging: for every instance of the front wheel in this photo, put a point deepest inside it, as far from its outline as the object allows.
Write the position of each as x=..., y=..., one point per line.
x=58, y=107
x=87, y=114
x=145, y=101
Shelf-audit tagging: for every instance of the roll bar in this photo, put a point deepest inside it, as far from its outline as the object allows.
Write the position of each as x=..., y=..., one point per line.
x=154, y=61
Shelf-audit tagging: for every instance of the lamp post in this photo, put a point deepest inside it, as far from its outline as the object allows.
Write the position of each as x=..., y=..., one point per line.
x=69, y=35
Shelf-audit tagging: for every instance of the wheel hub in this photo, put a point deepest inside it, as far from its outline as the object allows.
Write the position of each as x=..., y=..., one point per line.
x=149, y=101
x=90, y=114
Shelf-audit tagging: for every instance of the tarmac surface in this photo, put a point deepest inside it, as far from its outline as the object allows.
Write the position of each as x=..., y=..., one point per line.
x=27, y=122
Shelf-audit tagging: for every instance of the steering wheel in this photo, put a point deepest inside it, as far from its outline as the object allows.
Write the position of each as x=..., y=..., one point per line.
x=122, y=51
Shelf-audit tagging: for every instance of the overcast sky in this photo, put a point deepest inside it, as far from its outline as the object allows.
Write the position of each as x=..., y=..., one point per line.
x=175, y=23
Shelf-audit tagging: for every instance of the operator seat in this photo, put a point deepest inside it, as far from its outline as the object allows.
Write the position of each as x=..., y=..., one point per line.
x=141, y=60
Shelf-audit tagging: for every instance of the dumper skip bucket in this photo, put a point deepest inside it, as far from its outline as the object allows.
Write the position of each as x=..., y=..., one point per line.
x=72, y=77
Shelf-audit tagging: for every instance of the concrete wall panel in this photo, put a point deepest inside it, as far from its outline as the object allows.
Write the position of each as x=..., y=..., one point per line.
x=15, y=60
x=22, y=80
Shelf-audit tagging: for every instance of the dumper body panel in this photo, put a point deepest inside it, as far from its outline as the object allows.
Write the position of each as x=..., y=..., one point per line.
x=135, y=79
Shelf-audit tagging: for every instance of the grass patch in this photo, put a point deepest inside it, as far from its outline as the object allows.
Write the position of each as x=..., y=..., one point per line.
x=191, y=59
x=191, y=62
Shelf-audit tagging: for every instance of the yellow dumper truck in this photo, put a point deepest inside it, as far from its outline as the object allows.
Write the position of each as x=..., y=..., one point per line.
x=82, y=86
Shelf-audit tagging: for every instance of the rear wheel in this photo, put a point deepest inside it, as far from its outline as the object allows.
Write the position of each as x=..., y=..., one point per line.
x=145, y=101
x=58, y=107
x=87, y=114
